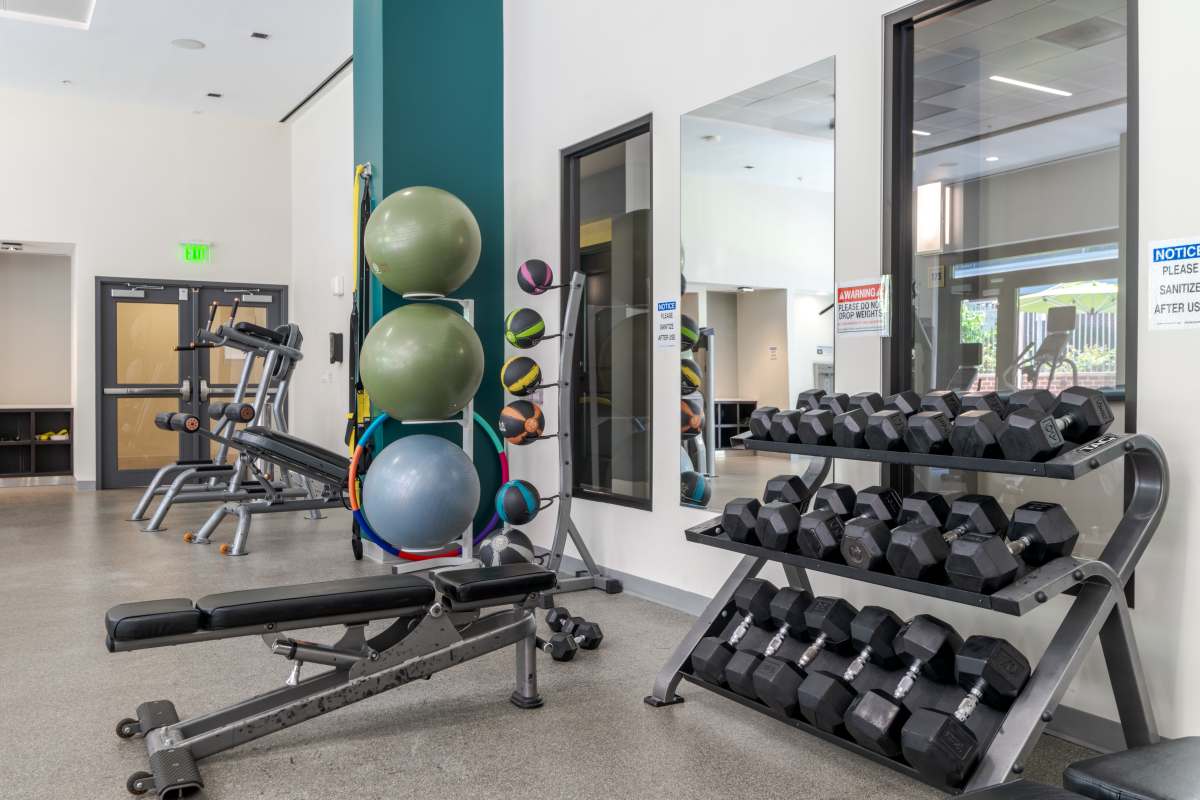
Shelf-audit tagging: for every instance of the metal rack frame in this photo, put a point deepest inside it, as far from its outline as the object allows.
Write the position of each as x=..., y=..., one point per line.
x=1099, y=610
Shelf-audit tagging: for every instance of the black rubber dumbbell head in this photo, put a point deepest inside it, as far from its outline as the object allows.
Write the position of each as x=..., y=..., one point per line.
x=555, y=618
x=785, y=426
x=588, y=634
x=979, y=563
x=760, y=421
x=1041, y=399
x=931, y=508
x=1086, y=411
x=712, y=654
x=824, y=697
x=886, y=429
x=561, y=647
x=907, y=402
x=869, y=402
x=837, y=402
x=786, y=488
x=1039, y=533
x=928, y=432
x=918, y=550
x=739, y=518
x=1080, y=415
x=983, y=401
x=865, y=541
x=943, y=400
x=1029, y=434
x=787, y=609
x=776, y=681
x=850, y=429
x=809, y=399
x=837, y=497
x=816, y=427
x=975, y=434
x=819, y=535
x=776, y=525
x=1045, y=530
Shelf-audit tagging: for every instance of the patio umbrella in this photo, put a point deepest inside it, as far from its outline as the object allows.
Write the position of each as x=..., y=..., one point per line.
x=1087, y=296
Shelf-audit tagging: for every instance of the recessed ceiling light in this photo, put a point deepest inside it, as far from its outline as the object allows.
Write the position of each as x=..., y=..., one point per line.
x=217, y=95
x=259, y=35
x=990, y=159
x=66, y=83
x=921, y=133
x=748, y=166
x=1026, y=85
x=745, y=289
x=188, y=44
x=711, y=138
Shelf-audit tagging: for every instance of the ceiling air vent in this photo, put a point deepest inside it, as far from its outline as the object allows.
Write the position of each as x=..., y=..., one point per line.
x=258, y=35
x=1086, y=33
x=11, y=247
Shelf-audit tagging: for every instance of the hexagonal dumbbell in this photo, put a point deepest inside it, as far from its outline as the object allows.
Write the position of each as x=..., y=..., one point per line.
x=816, y=426
x=906, y=402
x=776, y=680
x=809, y=399
x=927, y=646
x=739, y=518
x=819, y=534
x=752, y=598
x=836, y=402
x=1031, y=398
x=928, y=432
x=886, y=430
x=587, y=635
x=869, y=402
x=1031, y=434
x=930, y=508
x=824, y=697
x=918, y=549
x=760, y=421
x=865, y=541
x=787, y=489
x=785, y=426
x=559, y=647
x=941, y=746
x=976, y=434
x=776, y=525
x=943, y=401
x=787, y=614
x=850, y=429
x=983, y=401
x=1039, y=532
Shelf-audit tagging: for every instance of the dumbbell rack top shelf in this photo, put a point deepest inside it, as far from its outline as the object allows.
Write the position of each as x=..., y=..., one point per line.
x=1097, y=612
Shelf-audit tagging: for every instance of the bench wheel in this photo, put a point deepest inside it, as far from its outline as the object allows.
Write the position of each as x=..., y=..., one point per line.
x=225, y=548
x=189, y=536
x=139, y=783
x=128, y=728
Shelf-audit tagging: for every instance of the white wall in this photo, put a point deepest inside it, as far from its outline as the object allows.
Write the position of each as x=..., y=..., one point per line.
x=762, y=319
x=322, y=168
x=125, y=184
x=722, y=317
x=808, y=329
x=681, y=55
x=35, y=329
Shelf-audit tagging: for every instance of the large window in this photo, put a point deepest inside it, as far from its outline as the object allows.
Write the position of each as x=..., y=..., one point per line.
x=607, y=236
x=1011, y=130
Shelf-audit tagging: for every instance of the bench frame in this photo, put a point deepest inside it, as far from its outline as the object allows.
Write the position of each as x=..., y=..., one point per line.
x=420, y=642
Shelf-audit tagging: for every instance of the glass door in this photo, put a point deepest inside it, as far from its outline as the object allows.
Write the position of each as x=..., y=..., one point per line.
x=141, y=375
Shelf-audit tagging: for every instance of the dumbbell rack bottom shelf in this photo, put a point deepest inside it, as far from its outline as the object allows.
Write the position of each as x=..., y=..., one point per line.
x=1016, y=599
x=801, y=724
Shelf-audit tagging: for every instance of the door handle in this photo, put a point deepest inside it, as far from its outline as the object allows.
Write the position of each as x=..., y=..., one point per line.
x=184, y=390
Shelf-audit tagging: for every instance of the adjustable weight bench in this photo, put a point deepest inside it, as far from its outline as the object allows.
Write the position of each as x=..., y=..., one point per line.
x=437, y=624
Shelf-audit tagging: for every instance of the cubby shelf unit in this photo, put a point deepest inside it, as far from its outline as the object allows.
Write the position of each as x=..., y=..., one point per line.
x=22, y=454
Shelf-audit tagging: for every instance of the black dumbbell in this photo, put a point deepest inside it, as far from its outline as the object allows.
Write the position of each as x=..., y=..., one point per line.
x=809, y=399
x=760, y=421
x=819, y=534
x=559, y=647
x=1031, y=398
x=865, y=540
x=587, y=635
x=753, y=599
x=786, y=488
x=776, y=525
x=850, y=428
x=824, y=697
x=930, y=508
x=976, y=434
x=887, y=429
x=785, y=425
x=941, y=746
x=837, y=402
x=928, y=647
x=918, y=550
x=1032, y=434
x=739, y=519
x=787, y=609
x=557, y=618
x=1039, y=532
x=777, y=680
x=983, y=401
x=928, y=432
x=816, y=426
x=942, y=401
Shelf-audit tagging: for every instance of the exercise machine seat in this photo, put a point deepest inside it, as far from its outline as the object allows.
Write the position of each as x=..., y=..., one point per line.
x=294, y=453
x=250, y=329
x=313, y=600
x=151, y=618
x=1021, y=790
x=490, y=583
x=1169, y=770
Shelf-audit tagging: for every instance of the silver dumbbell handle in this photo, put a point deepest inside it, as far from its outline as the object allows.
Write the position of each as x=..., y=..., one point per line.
x=776, y=641
x=741, y=629
x=906, y=683
x=970, y=702
x=812, y=651
x=856, y=666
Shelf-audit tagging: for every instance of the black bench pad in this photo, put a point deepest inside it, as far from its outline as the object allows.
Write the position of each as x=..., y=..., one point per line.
x=294, y=453
x=250, y=329
x=489, y=583
x=1021, y=790
x=313, y=600
x=1169, y=770
x=152, y=618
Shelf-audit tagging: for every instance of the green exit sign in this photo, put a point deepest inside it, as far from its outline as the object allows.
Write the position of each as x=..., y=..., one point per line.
x=195, y=252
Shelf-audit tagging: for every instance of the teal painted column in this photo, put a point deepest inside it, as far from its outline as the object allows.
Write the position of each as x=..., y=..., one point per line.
x=429, y=111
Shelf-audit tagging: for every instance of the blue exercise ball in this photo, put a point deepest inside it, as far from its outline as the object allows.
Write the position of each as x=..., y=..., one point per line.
x=420, y=493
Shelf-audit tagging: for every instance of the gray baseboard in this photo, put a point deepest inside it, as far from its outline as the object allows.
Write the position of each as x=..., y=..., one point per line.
x=1069, y=724
x=85, y=486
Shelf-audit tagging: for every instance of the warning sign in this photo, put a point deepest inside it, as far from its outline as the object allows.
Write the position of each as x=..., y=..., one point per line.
x=1175, y=283
x=863, y=308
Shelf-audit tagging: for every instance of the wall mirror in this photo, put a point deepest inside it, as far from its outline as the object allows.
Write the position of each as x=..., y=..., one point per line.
x=757, y=255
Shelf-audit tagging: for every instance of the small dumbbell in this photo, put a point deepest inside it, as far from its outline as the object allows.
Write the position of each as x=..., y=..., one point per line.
x=559, y=646
x=918, y=550
x=787, y=609
x=1032, y=434
x=760, y=421
x=865, y=541
x=850, y=428
x=1039, y=532
x=739, y=519
x=777, y=680
x=809, y=399
x=752, y=598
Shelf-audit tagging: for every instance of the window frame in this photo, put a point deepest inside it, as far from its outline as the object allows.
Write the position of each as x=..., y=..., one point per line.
x=570, y=158
x=897, y=243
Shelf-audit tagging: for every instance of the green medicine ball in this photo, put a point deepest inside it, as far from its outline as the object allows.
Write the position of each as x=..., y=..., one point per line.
x=689, y=333
x=524, y=327
x=690, y=376
x=422, y=361
x=521, y=376
x=422, y=240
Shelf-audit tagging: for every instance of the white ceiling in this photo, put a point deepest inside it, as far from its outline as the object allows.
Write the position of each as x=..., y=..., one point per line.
x=798, y=102
x=125, y=54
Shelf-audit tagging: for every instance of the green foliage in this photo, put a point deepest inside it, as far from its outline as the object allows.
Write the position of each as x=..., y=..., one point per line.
x=974, y=329
x=1095, y=359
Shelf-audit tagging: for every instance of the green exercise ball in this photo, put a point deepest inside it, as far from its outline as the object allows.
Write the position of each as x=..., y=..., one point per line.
x=421, y=361
x=422, y=240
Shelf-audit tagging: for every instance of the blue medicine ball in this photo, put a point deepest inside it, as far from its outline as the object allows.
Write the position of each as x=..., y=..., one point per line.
x=518, y=502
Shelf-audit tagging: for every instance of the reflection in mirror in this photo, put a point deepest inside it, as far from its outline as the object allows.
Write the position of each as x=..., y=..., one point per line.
x=756, y=236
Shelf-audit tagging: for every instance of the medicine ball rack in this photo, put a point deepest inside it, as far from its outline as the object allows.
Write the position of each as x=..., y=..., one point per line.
x=1098, y=611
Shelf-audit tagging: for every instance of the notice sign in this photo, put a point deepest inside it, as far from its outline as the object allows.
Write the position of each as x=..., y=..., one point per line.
x=666, y=324
x=1175, y=283
x=863, y=308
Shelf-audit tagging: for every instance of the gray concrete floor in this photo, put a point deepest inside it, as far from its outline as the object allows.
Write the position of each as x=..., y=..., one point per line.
x=66, y=556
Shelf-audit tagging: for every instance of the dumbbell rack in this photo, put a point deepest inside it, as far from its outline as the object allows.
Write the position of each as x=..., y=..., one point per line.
x=1099, y=609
